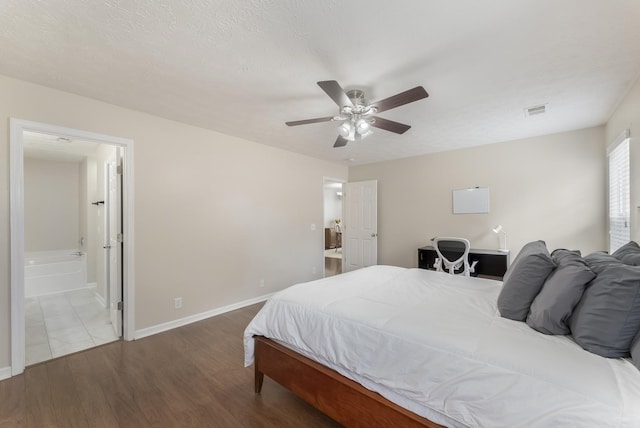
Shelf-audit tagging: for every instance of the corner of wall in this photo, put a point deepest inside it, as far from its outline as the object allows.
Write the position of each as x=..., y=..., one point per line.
x=5, y=373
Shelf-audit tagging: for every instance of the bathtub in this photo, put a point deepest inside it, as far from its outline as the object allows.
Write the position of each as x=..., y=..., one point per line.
x=47, y=272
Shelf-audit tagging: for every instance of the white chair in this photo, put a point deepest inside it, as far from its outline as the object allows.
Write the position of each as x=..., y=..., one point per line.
x=453, y=255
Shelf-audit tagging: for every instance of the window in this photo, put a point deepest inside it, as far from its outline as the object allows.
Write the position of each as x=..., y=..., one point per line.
x=619, y=209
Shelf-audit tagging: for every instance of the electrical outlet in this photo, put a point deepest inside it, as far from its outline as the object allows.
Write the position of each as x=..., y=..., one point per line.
x=261, y=283
x=313, y=270
x=177, y=302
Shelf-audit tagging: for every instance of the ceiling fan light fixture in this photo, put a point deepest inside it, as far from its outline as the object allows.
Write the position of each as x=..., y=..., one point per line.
x=370, y=110
x=362, y=127
x=346, y=111
x=357, y=114
x=346, y=130
x=366, y=134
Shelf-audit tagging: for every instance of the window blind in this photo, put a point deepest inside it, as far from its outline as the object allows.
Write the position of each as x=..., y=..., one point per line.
x=619, y=205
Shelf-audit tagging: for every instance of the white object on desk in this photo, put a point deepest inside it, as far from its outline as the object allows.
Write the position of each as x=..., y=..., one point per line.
x=497, y=231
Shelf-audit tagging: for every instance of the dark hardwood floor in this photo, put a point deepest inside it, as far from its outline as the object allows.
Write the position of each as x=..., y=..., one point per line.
x=192, y=376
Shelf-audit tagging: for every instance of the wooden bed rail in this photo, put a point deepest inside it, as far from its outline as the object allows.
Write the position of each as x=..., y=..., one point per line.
x=342, y=399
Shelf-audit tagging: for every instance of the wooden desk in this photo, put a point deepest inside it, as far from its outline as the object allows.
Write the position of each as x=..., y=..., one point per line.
x=491, y=263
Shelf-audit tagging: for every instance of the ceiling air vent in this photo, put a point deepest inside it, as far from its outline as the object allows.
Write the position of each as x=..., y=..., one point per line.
x=535, y=110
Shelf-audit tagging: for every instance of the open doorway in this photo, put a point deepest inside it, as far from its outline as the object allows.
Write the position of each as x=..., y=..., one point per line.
x=333, y=224
x=66, y=191
x=66, y=211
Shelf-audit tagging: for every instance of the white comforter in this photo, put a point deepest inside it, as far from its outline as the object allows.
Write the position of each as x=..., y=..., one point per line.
x=436, y=345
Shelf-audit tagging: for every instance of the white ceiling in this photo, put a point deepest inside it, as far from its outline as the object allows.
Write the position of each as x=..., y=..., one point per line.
x=244, y=67
x=54, y=147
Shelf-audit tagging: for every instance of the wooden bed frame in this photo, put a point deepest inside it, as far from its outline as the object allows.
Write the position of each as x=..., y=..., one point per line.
x=342, y=399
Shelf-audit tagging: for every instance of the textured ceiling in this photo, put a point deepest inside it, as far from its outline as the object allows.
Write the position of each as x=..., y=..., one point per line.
x=244, y=67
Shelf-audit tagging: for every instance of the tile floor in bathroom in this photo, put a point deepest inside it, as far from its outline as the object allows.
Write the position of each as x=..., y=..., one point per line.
x=63, y=323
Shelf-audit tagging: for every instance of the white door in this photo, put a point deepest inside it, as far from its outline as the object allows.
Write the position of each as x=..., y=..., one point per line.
x=360, y=231
x=113, y=245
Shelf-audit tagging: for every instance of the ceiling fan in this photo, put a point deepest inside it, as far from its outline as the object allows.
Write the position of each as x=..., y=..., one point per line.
x=357, y=116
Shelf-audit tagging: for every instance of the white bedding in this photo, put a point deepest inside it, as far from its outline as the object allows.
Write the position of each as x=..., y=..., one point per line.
x=435, y=344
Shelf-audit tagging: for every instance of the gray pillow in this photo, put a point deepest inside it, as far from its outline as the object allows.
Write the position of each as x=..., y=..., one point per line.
x=562, y=253
x=598, y=261
x=629, y=249
x=607, y=318
x=631, y=259
x=561, y=292
x=524, y=279
x=635, y=350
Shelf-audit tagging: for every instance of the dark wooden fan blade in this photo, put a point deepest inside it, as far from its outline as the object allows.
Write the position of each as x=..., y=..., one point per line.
x=401, y=99
x=304, y=122
x=390, y=125
x=336, y=93
x=340, y=141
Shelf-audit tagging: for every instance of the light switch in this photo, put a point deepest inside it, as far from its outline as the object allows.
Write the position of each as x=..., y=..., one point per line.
x=313, y=226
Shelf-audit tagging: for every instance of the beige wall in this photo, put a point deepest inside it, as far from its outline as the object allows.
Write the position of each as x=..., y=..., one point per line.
x=214, y=213
x=51, y=205
x=627, y=116
x=550, y=188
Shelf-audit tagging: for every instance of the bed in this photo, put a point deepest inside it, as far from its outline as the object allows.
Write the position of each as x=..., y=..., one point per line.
x=390, y=346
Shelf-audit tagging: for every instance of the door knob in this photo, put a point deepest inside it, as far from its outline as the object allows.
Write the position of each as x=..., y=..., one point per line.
x=373, y=235
x=106, y=247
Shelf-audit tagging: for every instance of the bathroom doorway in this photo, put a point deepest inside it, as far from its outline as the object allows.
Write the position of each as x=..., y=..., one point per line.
x=65, y=207
x=333, y=225
x=68, y=237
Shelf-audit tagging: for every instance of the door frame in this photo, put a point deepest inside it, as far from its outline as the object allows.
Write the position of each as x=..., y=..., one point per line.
x=16, y=190
x=324, y=182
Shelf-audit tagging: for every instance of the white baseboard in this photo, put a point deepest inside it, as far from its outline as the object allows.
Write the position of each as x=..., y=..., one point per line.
x=100, y=299
x=139, y=334
x=5, y=373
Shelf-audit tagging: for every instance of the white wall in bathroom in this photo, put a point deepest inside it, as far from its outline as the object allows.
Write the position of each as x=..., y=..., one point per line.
x=51, y=204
